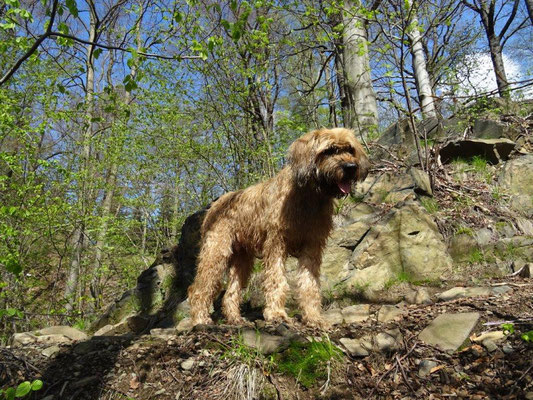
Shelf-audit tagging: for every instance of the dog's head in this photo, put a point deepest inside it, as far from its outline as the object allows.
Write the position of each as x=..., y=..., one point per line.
x=331, y=159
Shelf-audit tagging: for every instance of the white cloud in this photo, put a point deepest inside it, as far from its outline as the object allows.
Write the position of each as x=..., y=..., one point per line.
x=475, y=74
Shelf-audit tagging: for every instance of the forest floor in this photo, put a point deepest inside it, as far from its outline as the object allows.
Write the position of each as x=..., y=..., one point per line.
x=213, y=364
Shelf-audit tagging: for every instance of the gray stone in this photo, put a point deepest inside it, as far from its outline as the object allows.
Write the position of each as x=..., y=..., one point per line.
x=462, y=246
x=419, y=296
x=425, y=367
x=357, y=347
x=493, y=150
x=488, y=129
x=389, y=313
x=184, y=325
x=51, y=351
x=333, y=316
x=497, y=290
x=388, y=341
x=356, y=313
x=68, y=331
x=421, y=181
x=507, y=348
x=483, y=237
x=407, y=241
x=104, y=330
x=264, y=342
x=449, y=331
x=490, y=345
x=188, y=364
x=163, y=333
x=517, y=178
x=525, y=225
x=460, y=292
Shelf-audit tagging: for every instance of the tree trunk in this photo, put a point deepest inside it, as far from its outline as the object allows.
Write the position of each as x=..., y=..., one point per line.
x=78, y=238
x=108, y=197
x=360, y=106
x=497, y=63
x=423, y=83
x=529, y=5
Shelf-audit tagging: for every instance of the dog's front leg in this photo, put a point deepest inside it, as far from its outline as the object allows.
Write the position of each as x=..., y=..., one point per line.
x=309, y=296
x=275, y=284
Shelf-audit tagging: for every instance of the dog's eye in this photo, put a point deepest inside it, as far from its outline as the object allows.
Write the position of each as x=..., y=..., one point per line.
x=330, y=151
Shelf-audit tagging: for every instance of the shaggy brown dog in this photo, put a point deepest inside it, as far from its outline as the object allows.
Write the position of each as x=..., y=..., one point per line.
x=290, y=214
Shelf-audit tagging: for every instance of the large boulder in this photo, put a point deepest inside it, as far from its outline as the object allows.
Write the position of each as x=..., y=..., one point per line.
x=405, y=242
x=517, y=178
x=161, y=290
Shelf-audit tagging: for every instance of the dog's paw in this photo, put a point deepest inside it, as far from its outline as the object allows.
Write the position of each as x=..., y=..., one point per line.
x=239, y=321
x=201, y=321
x=317, y=323
x=275, y=317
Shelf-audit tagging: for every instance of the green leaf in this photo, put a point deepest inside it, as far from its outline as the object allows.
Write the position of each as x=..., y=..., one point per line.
x=13, y=266
x=96, y=53
x=37, y=384
x=63, y=28
x=72, y=7
x=23, y=389
x=528, y=336
x=10, y=393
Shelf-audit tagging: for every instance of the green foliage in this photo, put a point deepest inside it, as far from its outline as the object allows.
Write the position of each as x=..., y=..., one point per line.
x=464, y=230
x=309, y=362
x=430, y=204
x=22, y=390
x=527, y=336
x=476, y=256
x=508, y=328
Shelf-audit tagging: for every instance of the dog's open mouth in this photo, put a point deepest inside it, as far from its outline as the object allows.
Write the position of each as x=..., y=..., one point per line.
x=345, y=186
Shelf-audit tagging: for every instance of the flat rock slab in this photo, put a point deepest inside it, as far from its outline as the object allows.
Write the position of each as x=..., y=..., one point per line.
x=449, y=331
x=460, y=292
x=356, y=313
x=390, y=313
x=264, y=342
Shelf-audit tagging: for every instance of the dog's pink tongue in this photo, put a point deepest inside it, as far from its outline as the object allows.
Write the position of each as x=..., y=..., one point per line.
x=345, y=187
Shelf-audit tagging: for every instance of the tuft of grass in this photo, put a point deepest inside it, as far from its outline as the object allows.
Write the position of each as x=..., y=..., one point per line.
x=400, y=278
x=476, y=256
x=464, y=230
x=309, y=362
x=430, y=204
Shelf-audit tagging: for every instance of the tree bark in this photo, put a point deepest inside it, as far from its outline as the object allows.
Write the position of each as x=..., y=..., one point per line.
x=423, y=82
x=78, y=238
x=359, y=105
x=529, y=6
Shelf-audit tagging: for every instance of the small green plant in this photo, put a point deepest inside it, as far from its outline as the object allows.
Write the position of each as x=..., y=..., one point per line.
x=308, y=362
x=464, y=230
x=479, y=164
x=528, y=336
x=430, y=204
x=22, y=390
x=400, y=278
x=508, y=328
x=476, y=256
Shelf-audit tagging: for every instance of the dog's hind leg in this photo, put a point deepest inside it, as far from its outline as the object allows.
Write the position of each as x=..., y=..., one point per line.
x=239, y=273
x=213, y=261
x=275, y=284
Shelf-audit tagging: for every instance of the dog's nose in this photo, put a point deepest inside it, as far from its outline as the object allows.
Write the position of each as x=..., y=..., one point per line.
x=350, y=168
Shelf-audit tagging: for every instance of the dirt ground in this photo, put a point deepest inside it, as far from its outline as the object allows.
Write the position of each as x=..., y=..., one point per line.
x=194, y=365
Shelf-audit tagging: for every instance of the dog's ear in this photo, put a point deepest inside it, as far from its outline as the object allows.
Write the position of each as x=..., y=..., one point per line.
x=363, y=165
x=301, y=159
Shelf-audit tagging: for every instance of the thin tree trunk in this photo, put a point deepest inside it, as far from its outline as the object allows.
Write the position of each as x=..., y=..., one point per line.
x=360, y=106
x=423, y=83
x=529, y=6
x=109, y=194
x=497, y=63
x=78, y=238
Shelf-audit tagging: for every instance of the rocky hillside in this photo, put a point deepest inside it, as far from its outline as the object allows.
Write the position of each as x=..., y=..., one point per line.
x=426, y=280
